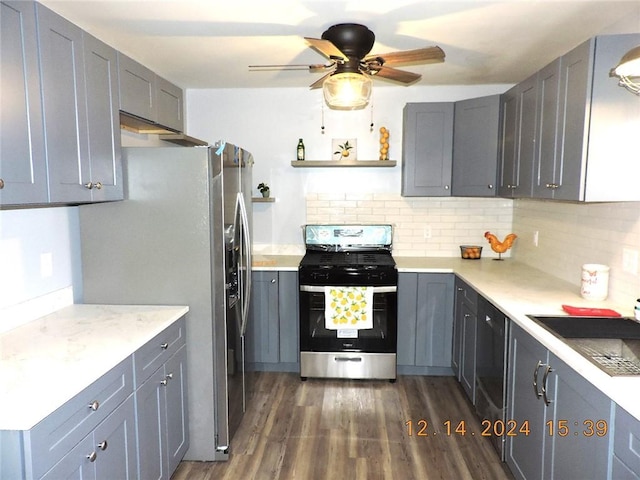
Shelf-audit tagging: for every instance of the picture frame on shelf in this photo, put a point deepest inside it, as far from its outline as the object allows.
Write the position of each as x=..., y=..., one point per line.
x=344, y=149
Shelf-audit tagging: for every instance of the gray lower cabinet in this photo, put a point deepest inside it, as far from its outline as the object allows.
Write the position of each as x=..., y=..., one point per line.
x=272, y=333
x=425, y=307
x=558, y=413
x=107, y=453
x=625, y=463
x=161, y=409
x=427, y=144
x=476, y=132
x=463, y=359
x=129, y=424
x=23, y=168
x=91, y=435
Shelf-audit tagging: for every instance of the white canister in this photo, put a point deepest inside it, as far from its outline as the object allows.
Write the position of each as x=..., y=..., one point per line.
x=595, y=281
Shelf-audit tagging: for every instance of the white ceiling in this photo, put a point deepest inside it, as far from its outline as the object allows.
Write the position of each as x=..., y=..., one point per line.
x=211, y=43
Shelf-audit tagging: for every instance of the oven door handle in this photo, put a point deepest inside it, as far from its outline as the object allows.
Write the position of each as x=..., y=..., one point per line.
x=320, y=289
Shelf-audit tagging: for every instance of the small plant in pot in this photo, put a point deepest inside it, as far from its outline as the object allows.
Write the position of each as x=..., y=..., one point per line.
x=264, y=189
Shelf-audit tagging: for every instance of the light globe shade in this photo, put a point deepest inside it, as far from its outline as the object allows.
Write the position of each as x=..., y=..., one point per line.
x=629, y=65
x=347, y=91
x=628, y=71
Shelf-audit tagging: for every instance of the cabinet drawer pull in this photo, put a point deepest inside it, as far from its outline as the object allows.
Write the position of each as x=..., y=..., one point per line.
x=547, y=371
x=347, y=359
x=535, y=379
x=92, y=456
x=103, y=445
x=94, y=405
x=164, y=346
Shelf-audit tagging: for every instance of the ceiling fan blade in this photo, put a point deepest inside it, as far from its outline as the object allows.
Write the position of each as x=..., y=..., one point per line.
x=318, y=83
x=421, y=55
x=326, y=48
x=311, y=68
x=394, y=74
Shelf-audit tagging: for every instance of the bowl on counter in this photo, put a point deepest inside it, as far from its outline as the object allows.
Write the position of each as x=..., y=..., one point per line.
x=471, y=252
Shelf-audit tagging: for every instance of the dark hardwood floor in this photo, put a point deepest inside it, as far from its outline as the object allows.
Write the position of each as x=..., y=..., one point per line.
x=354, y=429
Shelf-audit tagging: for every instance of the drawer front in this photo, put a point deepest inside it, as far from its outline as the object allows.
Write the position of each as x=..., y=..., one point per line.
x=469, y=295
x=626, y=443
x=157, y=351
x=57, y=434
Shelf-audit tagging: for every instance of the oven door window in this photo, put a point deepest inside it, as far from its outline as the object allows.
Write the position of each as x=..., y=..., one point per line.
x=314, y=336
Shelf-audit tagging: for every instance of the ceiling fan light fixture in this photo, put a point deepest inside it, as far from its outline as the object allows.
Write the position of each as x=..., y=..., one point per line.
x=347, y=91
x=628, y=70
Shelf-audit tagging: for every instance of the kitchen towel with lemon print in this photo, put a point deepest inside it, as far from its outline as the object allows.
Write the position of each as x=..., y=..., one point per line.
x=348, y=307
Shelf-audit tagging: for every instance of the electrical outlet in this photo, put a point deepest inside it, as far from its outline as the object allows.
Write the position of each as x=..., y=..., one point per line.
x=536, y=238
x=630, y=260
x=427, y=232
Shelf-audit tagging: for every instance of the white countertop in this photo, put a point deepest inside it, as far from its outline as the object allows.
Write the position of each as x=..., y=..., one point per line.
x=520, y=290
x=49, y=360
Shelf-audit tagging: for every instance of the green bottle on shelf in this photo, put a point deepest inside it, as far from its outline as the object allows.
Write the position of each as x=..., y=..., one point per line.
x=300, y=150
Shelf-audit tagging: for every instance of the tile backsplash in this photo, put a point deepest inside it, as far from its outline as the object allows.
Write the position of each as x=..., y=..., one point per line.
x=572, y=234
x=433, y=227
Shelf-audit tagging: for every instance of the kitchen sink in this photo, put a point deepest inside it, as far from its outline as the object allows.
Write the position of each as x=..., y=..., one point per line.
x=611, y=343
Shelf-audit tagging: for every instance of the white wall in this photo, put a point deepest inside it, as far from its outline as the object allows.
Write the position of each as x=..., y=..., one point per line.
x=28, y=239
x=572, y=234
x=268, y=122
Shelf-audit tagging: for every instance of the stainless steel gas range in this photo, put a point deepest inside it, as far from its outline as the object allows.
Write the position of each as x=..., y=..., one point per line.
x=348, y=303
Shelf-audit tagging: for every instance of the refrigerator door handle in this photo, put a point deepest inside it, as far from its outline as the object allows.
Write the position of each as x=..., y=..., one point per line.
x=246, y=246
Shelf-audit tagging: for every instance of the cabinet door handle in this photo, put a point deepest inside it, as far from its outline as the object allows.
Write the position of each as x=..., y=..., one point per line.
x=547, y=371
x=89, y=185
x=490, y=187
x=446, y=187
x=1, y=184
x=103, y=445
x=94, y=405
x=535, y=379
x=164, y=346
x=97, y=185
x=273, y=280
x=92, y=456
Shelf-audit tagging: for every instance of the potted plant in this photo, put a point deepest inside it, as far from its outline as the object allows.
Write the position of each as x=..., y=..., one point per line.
x=264, y=189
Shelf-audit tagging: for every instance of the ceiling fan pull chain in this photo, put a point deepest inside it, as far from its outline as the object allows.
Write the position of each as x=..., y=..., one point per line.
x=322, y=110
x=371, y=125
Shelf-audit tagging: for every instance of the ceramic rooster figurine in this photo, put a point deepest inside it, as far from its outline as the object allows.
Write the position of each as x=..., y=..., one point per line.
x=498, y=246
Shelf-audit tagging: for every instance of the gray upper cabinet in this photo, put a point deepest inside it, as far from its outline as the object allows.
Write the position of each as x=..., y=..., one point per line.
x=546, y=168
x=101, y=74
x=586, y=126
x=427, y=144
x=137, y=88
x=65, y=109
x=475, y=147
x=517, y=150
x=150, y=97
x=169, y=102
x=23, y=172
x=60, y=137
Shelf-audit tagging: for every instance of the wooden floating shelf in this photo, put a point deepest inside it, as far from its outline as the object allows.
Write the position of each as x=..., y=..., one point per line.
x=342, y=163
x=263, y=200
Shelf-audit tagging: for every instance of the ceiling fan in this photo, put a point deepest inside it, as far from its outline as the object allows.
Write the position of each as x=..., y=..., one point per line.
x=347, y=83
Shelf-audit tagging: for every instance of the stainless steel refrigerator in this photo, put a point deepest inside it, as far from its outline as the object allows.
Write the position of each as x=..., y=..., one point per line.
x=183, y=236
